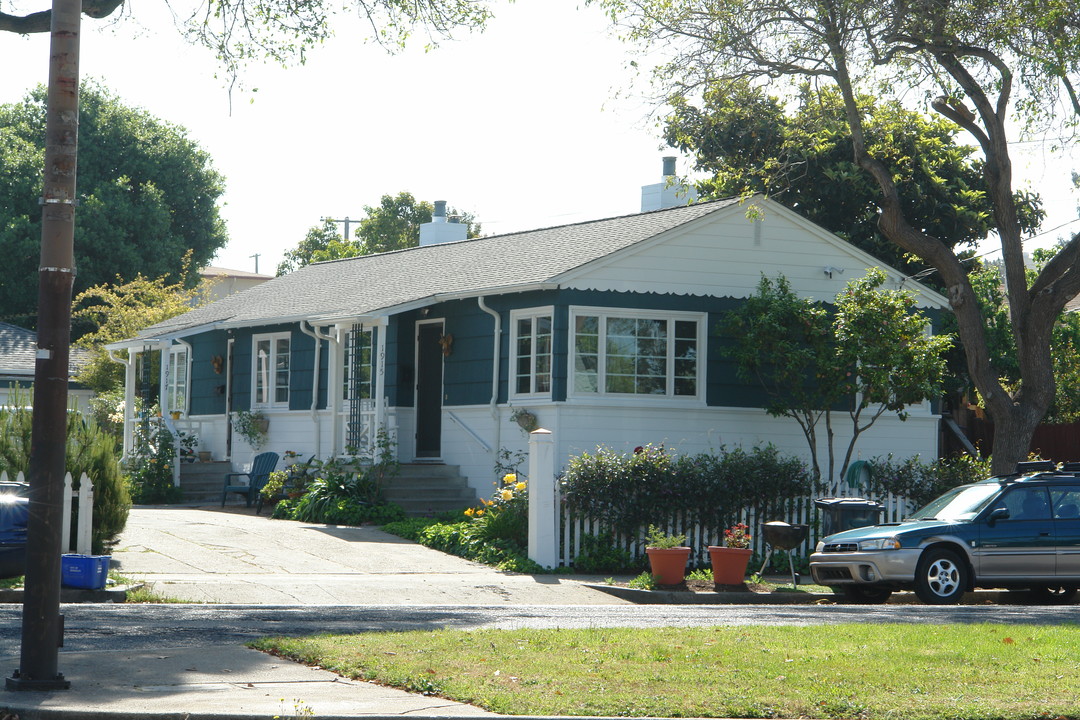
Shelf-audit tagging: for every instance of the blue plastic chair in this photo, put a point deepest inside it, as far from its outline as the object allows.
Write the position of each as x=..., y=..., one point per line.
x=261, y=467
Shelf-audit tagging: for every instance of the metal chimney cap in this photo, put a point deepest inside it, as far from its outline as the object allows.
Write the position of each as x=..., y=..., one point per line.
x=440, y=209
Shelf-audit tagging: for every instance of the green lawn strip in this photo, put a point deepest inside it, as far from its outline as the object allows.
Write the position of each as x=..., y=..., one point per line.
x=913, y=672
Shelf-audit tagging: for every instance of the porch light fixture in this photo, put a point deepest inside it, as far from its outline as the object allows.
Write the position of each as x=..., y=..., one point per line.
x=830, y=269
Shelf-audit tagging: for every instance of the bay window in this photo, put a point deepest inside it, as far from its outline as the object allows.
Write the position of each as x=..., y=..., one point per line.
x=634, y=352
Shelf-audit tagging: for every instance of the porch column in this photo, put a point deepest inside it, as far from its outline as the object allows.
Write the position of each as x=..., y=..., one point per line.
x=380, y=377
x=130, y=379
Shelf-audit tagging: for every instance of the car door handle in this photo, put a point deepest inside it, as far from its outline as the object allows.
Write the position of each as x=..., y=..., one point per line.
x=1044, y=534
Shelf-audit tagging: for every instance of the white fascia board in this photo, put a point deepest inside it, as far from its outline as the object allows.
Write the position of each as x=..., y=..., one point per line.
x=386, y=312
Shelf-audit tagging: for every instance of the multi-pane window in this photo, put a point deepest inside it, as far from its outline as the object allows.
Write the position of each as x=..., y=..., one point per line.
x=271, y=370
x=635, y=353
x=532, y=353
x=176, y=380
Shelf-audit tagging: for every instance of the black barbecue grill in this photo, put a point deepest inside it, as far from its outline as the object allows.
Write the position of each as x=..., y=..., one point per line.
x=783, y=536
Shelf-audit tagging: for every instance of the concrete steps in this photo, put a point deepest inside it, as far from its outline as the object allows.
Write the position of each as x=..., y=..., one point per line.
x=201, y=482
x=428, y=489
x=420, y=489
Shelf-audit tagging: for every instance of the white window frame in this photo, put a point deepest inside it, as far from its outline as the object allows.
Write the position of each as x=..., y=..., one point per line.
x=531, y=314
x=671, y=317
x=178, y=379
x=269, y=371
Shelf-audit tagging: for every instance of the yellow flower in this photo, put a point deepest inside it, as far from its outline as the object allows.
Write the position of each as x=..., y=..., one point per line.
x=479, y=512
x=520, y=486
x=470, y=512
x=507, y=494
x=487, y=502
x=509, y=479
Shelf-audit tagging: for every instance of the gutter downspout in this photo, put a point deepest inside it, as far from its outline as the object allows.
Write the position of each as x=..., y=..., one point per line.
x=317, y=336
x=494, y=405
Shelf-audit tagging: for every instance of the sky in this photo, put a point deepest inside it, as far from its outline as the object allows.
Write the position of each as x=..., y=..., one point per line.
x=537, y=121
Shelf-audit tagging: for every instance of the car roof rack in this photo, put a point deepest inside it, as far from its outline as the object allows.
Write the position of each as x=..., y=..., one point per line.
x=1031, y=466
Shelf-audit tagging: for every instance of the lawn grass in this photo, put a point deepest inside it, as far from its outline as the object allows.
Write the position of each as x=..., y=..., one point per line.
x=909, y=672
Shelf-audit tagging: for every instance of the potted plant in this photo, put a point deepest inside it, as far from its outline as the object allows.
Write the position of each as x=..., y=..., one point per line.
x=729, y=560
x=188, y=442
x=252, y=426
x=667, y=556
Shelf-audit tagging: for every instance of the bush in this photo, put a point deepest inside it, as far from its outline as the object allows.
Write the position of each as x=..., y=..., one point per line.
x=922, y=482
x=341, y=492
x=89, y=450
x=150, y=466
x=599, y=554
x=628, y=492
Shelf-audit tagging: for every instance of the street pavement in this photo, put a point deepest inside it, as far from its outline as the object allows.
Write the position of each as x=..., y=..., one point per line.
x=232, y=556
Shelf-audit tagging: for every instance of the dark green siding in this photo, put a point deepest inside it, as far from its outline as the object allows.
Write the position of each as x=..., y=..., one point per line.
x=206, y=391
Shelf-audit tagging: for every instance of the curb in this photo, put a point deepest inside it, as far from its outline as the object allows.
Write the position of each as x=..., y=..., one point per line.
x=686, y=597
x=116, y=594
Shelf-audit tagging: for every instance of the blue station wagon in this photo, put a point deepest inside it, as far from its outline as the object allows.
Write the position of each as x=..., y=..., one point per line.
x=1019, y=531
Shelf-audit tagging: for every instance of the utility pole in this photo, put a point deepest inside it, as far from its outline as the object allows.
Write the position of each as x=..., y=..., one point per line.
x=42, y=624
x=256, y=256
x=346, y=221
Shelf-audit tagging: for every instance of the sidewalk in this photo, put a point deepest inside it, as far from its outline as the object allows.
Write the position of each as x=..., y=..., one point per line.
x=226, y=682
x=233, y=556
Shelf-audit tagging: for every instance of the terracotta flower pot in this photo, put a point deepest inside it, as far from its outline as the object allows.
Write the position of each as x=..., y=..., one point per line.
x=729, y=564
x=668, y=564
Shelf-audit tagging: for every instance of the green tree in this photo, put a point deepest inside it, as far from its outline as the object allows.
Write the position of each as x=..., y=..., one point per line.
x=870, y=355
x=393, y=224
x=1064, y=345
x=118, y=312
x=242, y=31
x=148, y=196
x=749, y=142
x=996, y=70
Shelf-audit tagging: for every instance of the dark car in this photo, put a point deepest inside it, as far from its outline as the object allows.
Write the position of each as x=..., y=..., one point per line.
x=1019, y=531
x=14, y=512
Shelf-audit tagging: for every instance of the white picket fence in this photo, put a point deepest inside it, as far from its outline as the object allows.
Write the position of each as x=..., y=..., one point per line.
x=84, y=522
x=556, y=534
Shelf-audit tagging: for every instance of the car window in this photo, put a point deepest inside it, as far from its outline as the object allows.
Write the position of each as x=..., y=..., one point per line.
x=1065, y=502
x=1025, y=503
x=961, y=503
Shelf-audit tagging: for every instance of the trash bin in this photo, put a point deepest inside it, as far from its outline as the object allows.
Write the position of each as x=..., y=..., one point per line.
x=89, y=572
x=844, y=513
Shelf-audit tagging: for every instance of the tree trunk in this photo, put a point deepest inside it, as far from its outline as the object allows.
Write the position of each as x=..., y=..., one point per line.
x=42, y=630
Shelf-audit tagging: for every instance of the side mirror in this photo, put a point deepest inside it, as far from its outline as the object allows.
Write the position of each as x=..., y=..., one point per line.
x=998, y=514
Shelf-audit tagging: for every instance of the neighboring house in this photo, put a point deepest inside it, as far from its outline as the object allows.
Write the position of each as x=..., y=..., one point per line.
x=606, y=331
x=223, y=281
x=18, y=356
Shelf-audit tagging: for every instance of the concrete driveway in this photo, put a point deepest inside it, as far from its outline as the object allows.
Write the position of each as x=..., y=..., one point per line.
x=230, y=555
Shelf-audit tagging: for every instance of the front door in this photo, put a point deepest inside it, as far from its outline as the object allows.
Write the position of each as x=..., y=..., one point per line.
x=429, y=389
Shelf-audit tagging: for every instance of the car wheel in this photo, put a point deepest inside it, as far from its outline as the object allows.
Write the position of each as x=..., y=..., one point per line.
x=865, y=595
x=1053, y=593
x=942, y=577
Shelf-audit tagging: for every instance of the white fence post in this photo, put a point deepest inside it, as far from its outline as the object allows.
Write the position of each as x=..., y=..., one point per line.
x=65, y=522
x=84, y=528
x=543, y=535
x=86, y=515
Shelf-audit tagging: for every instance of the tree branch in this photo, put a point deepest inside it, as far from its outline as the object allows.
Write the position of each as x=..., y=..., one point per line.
x=41, y=22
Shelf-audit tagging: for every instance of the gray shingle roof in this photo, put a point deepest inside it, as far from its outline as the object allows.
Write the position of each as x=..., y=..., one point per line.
x=18, y=351
x=374, y=283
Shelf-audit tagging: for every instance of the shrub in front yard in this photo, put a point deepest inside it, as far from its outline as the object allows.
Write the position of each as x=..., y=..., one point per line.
x=921, y=482
x=626, y=492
